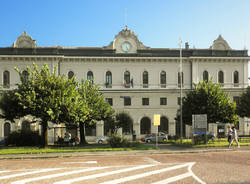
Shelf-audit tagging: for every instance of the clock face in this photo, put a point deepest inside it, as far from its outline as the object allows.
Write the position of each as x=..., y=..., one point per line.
x=126, y=46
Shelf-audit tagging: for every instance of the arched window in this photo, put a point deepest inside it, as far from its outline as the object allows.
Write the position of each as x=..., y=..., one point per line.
x=90, y=75
x=236, y=78
x=145, y=125
x=26, y=126
x=163, y=125
x=205, y=76
x=108, y=79
x=25, y=76
x=179, y=79
x=221, y=78
x=163, y=78
x=126, y=81
x=145, y=79
x=6, y=129
x=6, y=79
x=70, y=74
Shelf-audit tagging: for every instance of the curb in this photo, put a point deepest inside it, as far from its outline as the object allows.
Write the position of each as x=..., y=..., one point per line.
x=107, y=153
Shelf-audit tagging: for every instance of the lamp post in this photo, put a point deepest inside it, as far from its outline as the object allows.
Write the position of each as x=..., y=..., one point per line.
x=181, y=131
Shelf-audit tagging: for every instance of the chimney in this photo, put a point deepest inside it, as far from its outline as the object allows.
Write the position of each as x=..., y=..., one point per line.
x=186, y=45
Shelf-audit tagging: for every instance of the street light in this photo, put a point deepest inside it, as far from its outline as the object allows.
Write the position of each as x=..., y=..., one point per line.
x=180, y=43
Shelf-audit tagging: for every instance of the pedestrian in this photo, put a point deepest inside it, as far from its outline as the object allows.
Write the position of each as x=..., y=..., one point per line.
x=229, y=136
x=234, y=138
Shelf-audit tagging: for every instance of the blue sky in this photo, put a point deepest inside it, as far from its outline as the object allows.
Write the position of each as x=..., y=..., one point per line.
x=158, y=23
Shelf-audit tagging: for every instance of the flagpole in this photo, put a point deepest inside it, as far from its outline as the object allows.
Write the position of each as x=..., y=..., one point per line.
x=181, y=78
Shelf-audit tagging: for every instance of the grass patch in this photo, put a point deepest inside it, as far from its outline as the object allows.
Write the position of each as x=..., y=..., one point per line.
x=87, y=148
x=215, y=143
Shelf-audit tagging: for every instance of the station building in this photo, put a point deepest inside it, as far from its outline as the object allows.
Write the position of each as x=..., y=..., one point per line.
x=134, y=78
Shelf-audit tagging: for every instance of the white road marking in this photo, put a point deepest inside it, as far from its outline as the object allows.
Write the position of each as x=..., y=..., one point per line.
x=27, y=173
x=4, y=171
x=193, y=175
x=102, y=174
x=152, y=161
x=129, y=178
x=57, y=175
x=87, y=162
x=173, y=179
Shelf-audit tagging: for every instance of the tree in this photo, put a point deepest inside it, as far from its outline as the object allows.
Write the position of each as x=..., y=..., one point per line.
x=49, y=97
x=243, y=108
x=96, y=107
x=10, y=109
x=208, y=98
x=124, y=121
x=120, y=120
x=57, y=99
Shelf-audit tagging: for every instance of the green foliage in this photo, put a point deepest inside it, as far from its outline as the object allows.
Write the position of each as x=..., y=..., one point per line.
x=24, y=138
x=10, y=108
x=110, y=125
x=124, y=121
x=47, y=96
x=243, y=108
x=55, y=98
x=208, y=98
x=117, y=141
x=95, y=106
x=120, y=120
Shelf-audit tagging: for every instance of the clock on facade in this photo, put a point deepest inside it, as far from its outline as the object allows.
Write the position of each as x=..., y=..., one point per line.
x=126, y=46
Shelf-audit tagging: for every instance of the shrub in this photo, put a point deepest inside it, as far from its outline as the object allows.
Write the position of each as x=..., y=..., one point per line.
x=24, y=138
x=117, y=141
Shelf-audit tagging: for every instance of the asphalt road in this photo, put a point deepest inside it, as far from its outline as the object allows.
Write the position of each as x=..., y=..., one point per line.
x=187, y=168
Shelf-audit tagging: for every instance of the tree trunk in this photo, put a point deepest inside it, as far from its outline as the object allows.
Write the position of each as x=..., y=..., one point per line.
x=44, y=134
x=82, y=135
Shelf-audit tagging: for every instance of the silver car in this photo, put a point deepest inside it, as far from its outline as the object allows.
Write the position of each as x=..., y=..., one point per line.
x=160, y=137
x=101, y=140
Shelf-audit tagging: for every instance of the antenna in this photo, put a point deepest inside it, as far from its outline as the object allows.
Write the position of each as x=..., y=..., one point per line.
x=245, y=38
x=125, y=18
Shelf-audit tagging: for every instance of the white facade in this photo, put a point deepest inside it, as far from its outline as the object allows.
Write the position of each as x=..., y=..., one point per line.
x=127, y=54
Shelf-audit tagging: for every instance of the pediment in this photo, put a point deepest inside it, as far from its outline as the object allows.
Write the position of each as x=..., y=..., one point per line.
x=126, y=36
x=220, y=44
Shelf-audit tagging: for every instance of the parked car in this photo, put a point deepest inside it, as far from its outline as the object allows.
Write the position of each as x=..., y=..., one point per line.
x=101, y=140
x=161, y=136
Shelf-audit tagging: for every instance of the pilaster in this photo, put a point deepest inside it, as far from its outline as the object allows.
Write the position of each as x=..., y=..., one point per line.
x=100, y=129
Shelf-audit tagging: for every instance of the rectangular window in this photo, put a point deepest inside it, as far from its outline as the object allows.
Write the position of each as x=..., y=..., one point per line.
x=163, y=101
x=236, y=99
x=127, y=101
x=110, y=101
x=145, y=101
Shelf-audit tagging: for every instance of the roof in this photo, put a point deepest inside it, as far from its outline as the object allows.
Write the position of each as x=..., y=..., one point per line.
x=105, y=52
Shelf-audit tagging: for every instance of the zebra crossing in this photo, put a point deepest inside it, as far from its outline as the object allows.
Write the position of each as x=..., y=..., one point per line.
x=101, y=174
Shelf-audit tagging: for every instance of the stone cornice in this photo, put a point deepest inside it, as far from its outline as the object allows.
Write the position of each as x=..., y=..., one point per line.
x=116, y=59
x=28, y=58
x=122, y=59
x=233, y=59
